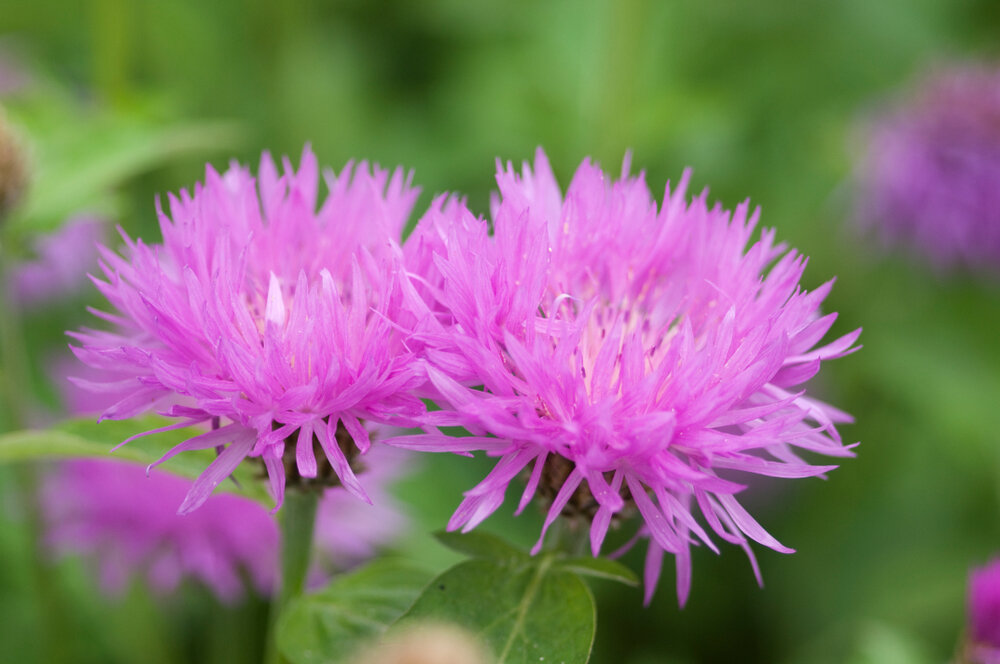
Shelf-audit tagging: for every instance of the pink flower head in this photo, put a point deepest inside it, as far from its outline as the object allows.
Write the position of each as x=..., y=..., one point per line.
x=129, y=523
x=280, y=323
x=984, y=612
x=629, y=358
x=930, y=175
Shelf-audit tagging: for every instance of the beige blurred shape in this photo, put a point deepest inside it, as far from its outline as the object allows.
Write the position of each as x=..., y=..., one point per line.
x=13, y=167
x=427, y=643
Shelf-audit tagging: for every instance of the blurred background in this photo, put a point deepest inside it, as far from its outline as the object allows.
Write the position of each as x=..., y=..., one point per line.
x=118, y=101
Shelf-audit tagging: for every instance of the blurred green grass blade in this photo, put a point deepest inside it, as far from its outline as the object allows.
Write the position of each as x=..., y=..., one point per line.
x=86, y=438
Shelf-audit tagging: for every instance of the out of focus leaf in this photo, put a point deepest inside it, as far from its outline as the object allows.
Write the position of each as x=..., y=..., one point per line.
x=883, y=644
x=601, y=568
x=87, y=438
x=76, y=170
x=480, y=545
x=527, y=610
x=329, y=625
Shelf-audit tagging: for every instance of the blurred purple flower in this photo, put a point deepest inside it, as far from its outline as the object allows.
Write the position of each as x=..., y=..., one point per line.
x=984, y=614
x=62, y=260
x=930, y=174
x=630, y=358
x=129, y=524
x=280, y=323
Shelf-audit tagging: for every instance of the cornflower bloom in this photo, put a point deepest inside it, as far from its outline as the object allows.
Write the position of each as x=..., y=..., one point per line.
x=929, y=175
x=628, y=358
x=278, y=323
x=128, y=522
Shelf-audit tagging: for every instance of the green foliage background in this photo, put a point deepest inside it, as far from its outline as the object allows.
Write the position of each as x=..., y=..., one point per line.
x=764, y=100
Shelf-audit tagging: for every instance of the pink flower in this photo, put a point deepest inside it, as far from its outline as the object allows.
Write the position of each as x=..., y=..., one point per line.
x=929, y=176
x=629, y=358
x=984, y=613
x=280, y=323
x=128, y=523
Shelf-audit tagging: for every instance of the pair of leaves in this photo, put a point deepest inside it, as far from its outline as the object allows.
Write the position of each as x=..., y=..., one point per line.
x=523, y=608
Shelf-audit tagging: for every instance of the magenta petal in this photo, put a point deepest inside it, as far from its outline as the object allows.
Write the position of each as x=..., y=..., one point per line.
x=748, y=525
x=327, y=439
x=568, y=487
x=276, y=476
x=206, y=441
x=218, y=470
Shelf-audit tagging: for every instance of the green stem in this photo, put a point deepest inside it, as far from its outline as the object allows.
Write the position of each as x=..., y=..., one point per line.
x=569, y=537
x=298, y=516
x=14, y=384
x=13, y=367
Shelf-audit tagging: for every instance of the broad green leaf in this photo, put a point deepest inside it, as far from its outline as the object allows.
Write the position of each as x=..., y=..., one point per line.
x=329, y=625
x=480, y=545
x=602, y=568
x=88, y=438
x=524, y=610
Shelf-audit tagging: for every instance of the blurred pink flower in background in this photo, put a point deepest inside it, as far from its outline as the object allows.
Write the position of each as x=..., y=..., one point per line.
x=127, y=524
x=930, y=174
x=62, y=261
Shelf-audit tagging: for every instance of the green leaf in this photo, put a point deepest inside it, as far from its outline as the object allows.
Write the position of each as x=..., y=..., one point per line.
x=88, y=438
x=528, y=610
x=329, y=625
x=77, y=166
x=480, y=545
x=601, y=568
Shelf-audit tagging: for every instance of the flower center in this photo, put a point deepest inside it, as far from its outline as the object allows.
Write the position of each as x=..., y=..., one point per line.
x=582, y=504
x=326, y=476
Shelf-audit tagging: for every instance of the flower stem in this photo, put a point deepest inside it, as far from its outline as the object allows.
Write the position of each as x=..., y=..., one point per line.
x=298, y=516
x=13, y=365
x=569, y=537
